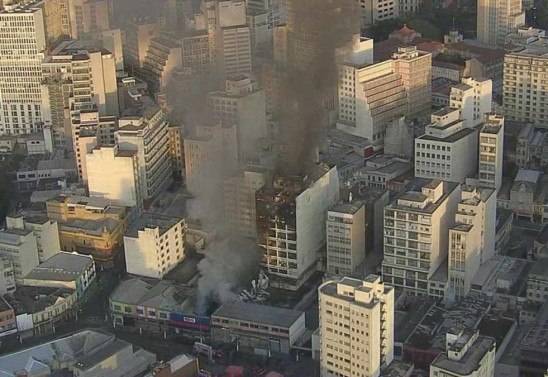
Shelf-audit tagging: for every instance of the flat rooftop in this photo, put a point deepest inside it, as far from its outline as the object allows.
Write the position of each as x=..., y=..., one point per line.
x=61, y=267
x=149, y=220
x=471, y=359
x=256, y=313
x=348, y=208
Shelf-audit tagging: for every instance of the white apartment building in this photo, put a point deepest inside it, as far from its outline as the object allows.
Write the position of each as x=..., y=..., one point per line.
x=498, y=18
x=211, y=153
x=525, y=86
x=356, y=327
x=89, y=130
x=7, y=276
x=242, y=104
x=467, y=355
x=148, y=136
x=114, y=174
x=345, y=231
x=470, y=239
x=370, y=95
x=233, y=39
x=415, y=69
x=415, y=233
x=447, y=150
x=22, y=44
x=378, y=10
x=239, y=201
x=154, y=245
x=473, y=97
x=491, y=143
x=77, y=78
x=19, y=245
x=291, y=215
x=46, y=232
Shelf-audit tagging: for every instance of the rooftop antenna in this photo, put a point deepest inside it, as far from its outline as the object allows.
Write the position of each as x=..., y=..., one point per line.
x=453, y=24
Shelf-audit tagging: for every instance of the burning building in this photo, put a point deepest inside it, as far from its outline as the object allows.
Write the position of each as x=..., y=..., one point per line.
x=291, y=216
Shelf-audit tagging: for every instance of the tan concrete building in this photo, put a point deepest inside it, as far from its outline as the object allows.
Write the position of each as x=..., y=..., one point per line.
x=498, y=18
x=525, y=87
x=356, y=327
x=138, y=34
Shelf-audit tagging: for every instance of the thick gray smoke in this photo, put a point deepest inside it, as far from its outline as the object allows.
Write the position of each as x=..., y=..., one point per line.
x=227, y=264
x=308, y=81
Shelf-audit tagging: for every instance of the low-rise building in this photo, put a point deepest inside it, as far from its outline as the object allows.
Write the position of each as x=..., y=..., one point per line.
x=526, y=195
x=154, y=245
x=180, y=366
x=8, y=324
x=64, y=270
x=7, y=276
x=38, y=309
x=86, y=353
x=468, y=355
x=258, y=328
x=156, y=306
x=537, y=282
x=532, y=147
x=380, y=170
x=533, y=353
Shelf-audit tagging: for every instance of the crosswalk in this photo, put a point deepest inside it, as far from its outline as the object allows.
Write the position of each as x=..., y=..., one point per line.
x=92, y=321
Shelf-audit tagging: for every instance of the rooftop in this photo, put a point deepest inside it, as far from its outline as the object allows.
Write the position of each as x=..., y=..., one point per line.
x=257, y=313
x=61, y=267
x=149, y=220
x=35, y=299
x=349, y=208
x=471, y=359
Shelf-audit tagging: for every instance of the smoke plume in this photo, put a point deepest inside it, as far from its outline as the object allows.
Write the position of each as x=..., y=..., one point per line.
x=228, y=264
x=308, y=78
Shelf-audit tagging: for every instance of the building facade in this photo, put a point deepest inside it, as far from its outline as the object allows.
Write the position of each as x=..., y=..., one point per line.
x=19, y=246
x=414, y=246
x=356, y=327
x=154, y=245
x=498, y=18
x=473, y=97
x=345, y=229
x=24, y=37
x=45, y=230
x=447, y=150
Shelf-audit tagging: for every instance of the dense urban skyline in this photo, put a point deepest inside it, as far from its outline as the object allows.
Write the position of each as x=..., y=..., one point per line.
x=300, y=188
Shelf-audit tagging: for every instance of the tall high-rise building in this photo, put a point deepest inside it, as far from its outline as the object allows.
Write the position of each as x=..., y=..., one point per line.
x=138, y=34
x=447, y=150
x=498, y=18
x=415, y=68
x=243, y=104
x=22, y=43
x=356, y=327
x=291, y=215
x=345, y=230
x=525, y=87
x=239, y=200
x=114, y=174
x=210, y=154
x=491, y=142
x=473, y=97
x=415, y=229
x=88, y=16
x=370, y=95
x=473, y=232
x=378, y=10
x=57, y=19
x=233, y=39
x=163, y=58
x=148, y=136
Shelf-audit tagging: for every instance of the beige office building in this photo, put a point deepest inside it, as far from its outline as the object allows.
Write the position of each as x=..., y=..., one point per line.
x=525, y=84
x=498, y=18
x=23, y=45
x=356, y=327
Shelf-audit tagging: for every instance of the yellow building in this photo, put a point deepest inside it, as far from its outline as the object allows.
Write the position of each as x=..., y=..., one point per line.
x=91, y=226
